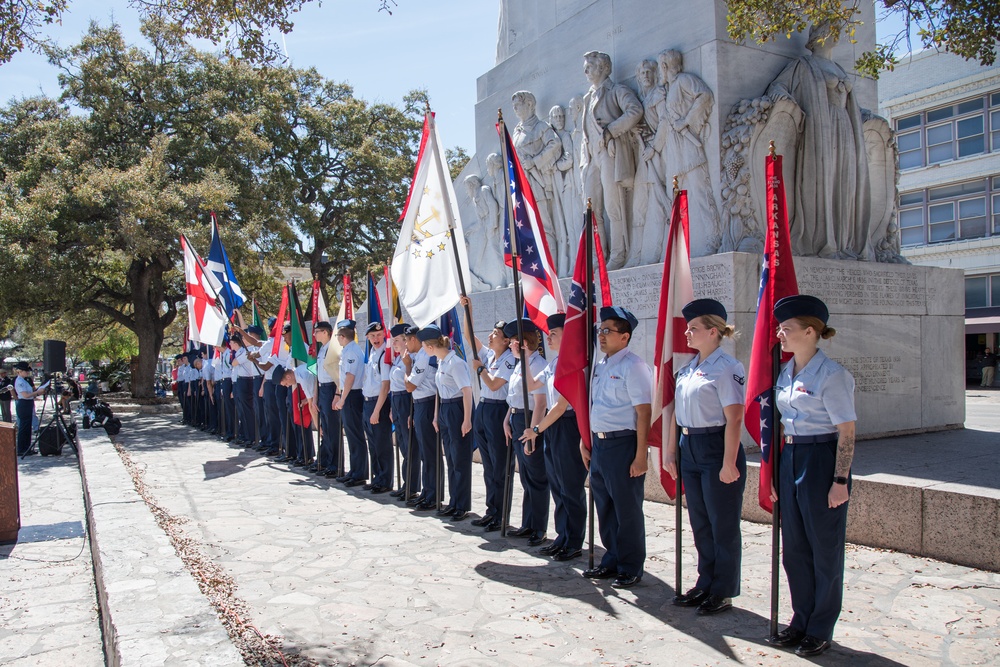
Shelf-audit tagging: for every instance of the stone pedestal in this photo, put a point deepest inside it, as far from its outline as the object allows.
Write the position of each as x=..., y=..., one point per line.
x=899, y=328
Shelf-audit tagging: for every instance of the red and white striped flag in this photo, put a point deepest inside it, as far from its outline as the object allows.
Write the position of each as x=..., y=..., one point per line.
x=672, y=351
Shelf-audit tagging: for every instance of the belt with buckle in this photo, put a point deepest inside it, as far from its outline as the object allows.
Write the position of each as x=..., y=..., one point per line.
x=446, y=401
x=697, y=430
x=810, y=439
x=493, y=401
x=426, y=399
x=399, y=393
x=608, y=435
x=517, y=411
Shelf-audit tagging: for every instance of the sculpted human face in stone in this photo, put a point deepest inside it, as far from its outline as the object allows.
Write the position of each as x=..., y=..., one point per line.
x=557, y=118
x=524, y=108
x=594, y=71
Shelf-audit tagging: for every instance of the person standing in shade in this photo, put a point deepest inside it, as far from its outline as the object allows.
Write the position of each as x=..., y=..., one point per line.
x=421, y=370
x=563, y=464
x=275, y=394
x=621, y=398
x=6, y=394
x=495, y=364
x=453, y=420
x=378, y=427
x=815, y=396
x=530, y=455
x=402, y=410
x=351, y=403
x=327, y=368
x=989, y=368
x=25, y=406
x=709, y=413
x=245, y=372
x=182, y=386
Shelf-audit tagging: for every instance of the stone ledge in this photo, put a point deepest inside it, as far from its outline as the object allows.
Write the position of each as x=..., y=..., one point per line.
x=152, y=612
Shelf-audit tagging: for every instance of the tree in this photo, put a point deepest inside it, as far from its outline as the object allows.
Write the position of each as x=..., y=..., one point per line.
x=968, y=28
x=457, y=158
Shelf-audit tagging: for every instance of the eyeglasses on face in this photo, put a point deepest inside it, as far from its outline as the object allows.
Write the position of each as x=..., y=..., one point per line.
x=605, y=331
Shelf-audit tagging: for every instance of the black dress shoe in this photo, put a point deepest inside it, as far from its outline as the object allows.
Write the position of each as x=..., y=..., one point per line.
x=600, y=572
x=343, y=479
x=298, y=463
x=447, y=510
x=714, y=604
x=626, y=580
x=282, y=459
x=354, y=482
x=811, y=646
x=313, y=468
x=332, y=474
x=492, y=526
x=566, y=554
x=271, y=452
x=414, y=501
x=787, y=637
x=692, y=598
x=483, y=520
x=376, y=489
x=520, y=532
x=425, y=506
x=537, y=539
x=459, y=515
x=368, y=487
x=552, y=549
x=398, y=493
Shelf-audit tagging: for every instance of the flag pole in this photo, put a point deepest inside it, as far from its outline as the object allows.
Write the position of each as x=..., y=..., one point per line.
x=776, y=446
x=678, y=509
x=589, y=228
x=515, y=256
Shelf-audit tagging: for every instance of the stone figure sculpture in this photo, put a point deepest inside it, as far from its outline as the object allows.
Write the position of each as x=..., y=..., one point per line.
x=689, y=103
x=483, y=236
x=538, y=149
x=651, y=206
x=566, y=209
x=495, y=177
x=830, y=216
x=883, y=177
x=610, y=113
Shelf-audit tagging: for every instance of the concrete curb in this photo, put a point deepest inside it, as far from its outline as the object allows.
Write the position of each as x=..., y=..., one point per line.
x=152, y=612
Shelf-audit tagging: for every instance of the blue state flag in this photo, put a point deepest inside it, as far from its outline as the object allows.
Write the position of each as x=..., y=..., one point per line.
x=218, y=263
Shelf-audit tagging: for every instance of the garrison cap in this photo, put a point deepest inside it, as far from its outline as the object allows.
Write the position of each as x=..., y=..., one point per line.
x=556, y=321
x=270, y=322
x=398, y=329
x=801, y=305
x=500, y=326
x=412, y=330
x=23, y=366
x=374, y=326
x=255, y=330
x=324, y=325
x=346, y=324
x=700, y=307
x=527, y=326
x=429, y=332
x=619, y=313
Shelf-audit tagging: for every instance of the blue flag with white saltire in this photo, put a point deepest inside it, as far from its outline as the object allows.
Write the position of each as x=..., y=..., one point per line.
x=218, y=263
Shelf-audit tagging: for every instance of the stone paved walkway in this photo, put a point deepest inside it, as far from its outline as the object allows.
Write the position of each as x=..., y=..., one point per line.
x=48, y=602
x=348, y=578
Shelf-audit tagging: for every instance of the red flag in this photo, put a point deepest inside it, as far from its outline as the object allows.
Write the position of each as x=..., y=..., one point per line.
x=671, y=351
x=777, y=280
x=206, y=321
x=348, y=298
x=300, y=413
x=279, y=322
x=602, y=266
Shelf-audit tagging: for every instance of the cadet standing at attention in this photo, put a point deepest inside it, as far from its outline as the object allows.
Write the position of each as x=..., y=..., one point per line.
x=350, y=403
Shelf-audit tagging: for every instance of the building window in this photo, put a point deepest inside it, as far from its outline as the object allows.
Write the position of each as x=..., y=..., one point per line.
x=950, y=132
x=967, y=210
x=976, y=295
x=996, y=214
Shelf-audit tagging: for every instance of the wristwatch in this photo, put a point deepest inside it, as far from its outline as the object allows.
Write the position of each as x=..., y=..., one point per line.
x=479, y=371
x=535, y=430
x=840, y=480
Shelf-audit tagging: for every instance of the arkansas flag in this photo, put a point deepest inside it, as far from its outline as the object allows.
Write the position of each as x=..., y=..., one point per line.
x=542, y=296
x=206, y=321
x=777, y=280
x=671, y=351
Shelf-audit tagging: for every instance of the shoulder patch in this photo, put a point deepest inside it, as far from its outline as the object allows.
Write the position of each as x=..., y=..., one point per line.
x=739, y=378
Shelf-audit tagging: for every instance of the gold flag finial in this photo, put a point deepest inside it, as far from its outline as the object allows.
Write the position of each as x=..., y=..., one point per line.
x=677, y=187
x=499, y=115
x=590, y=205
x=770, y=148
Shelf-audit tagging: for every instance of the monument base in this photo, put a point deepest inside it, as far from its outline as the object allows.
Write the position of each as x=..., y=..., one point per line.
x=900, y=328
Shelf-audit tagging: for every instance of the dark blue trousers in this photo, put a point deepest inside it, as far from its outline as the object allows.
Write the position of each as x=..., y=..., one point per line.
x=329, y=419
x=379, y=438
x=402, y=410
x=220, y=412
x=492, y=444
x=259, y=411
x=813, y=536
x=426, y=439
x=182, y=391
x=229, y=404
x=25, y=409
x=531, y=470
x=282, y=402
x=458, y=453
x=618, y=503
x=714, y=509
x=213, y=409
x=567, y=477
x=352, y=416
x=244, y=408
x=271, y=435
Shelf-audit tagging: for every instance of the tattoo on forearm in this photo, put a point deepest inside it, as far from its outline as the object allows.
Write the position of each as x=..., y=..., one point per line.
x=845, y=455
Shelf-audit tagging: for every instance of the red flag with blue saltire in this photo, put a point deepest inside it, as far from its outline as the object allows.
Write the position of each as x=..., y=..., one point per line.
x=671, y=351
x=777, y=280
x=542, y=296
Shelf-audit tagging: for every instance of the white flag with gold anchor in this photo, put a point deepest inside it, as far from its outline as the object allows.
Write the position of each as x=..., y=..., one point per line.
x=425, y=267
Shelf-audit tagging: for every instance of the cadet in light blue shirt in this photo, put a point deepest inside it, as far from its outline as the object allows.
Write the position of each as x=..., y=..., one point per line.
x=816, y=398
x=709, y=409
x=421, y=369
x=351, y=403
x=621, y=398
x=378, y=427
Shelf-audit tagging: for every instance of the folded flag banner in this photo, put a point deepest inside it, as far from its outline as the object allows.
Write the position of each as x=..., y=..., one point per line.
x=279, y=322
x=671, y=351
x=542, y=296
x=206, y=320
x=218, y=262
x=777, y=280
x=300, y=338
x=431, y=249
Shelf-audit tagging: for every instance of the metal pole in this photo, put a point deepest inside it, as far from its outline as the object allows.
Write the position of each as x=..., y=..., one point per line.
x=590, y=228
x=439, y=463
x=678, y=518
x=776, y=445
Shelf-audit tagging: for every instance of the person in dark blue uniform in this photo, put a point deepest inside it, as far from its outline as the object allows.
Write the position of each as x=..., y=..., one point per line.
x=402, y=412
x=530, y=455
x=327, y=369
x=421, y=369
x=621, y=404
x=563, y=463
x=709, y=413
x=815, y=396
x=25, y=406
x=351, y=403
x=378, y=428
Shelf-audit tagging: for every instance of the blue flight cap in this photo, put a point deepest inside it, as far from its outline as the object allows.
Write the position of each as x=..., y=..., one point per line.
x=500, y=325
x=801, y=305
x=287, y=328
x=374, y=326
x=619, y=313
x=398, y=329
x=556, y=321
x=346, y=324
x=527, y=326
x=429, y=332
x=270, y=322
x=700, y=307
x=255, y=330
x=412, y=330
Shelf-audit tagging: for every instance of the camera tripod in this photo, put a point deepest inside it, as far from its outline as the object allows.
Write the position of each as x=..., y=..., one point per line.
x=54, y=391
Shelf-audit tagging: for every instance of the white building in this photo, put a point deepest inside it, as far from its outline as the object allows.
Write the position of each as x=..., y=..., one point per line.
x=946, y=114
